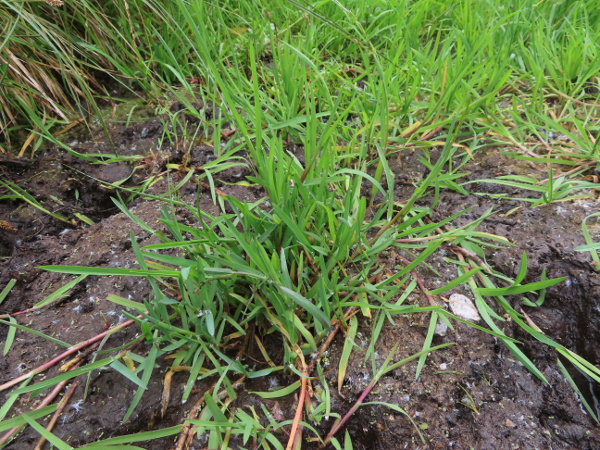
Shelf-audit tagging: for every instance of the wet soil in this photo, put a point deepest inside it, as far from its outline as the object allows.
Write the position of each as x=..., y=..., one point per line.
x=473, y=394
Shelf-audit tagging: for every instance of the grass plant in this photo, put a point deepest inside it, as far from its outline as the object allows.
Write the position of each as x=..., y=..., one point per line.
x=321, y=97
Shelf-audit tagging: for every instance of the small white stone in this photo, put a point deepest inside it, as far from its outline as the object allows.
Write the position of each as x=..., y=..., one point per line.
x=463, y=307
x=441, y=329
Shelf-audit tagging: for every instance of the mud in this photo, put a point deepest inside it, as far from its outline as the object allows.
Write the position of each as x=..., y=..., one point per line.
x=473, y=394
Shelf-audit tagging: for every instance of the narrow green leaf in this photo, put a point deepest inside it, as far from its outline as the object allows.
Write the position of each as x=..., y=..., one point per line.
x=422, y=257
x=84, y=218
x=279, y=392
x=10, y=335
x=293, y=226
x=541, y=297
x=136, y=437
x=347, y=350
x=19, y=420
x=307, y=305
x=591, y=411
x=347, y=441
x=140, y=307
x=124, y=209
x=65, y=376
x=513, y=290
x=61, y=292
x=265, y=372
x=169, y=245
x=427, y=343
x=147, y=368
x=35, y=332
x=59, y=443
x=310, y=340
x=522, y=270
x=214, y=409
x=104, y=271
x=124, y=370
x=457, y=281
x=7, y=289
x=588, y=247
x=589, y=241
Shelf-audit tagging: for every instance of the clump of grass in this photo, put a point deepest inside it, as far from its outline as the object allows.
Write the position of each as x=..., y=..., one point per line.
x=321, y=98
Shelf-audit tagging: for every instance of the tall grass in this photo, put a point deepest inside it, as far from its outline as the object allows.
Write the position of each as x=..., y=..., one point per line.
x=435, y=60
x=56, y=61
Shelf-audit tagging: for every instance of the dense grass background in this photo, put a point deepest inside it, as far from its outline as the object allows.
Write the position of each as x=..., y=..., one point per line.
x=409, y=62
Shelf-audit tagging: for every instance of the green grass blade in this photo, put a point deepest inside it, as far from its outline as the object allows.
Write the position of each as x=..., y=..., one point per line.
x=307, y=305
x=59, y=443
x=347, y=350
x=513, y=290
x=107, y=271
x=136, y=437
x=33, y=415
x=61, y=292
x=10, y=335
x=147, y=368
x=427, y=344
x=15, y=325
x=7, y=289
x=279, y=392
x=65, y=376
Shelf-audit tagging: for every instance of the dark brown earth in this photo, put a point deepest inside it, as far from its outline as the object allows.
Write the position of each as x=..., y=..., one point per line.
x=470, y=395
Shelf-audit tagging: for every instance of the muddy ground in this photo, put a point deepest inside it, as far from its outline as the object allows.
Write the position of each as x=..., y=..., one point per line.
x=470, y=395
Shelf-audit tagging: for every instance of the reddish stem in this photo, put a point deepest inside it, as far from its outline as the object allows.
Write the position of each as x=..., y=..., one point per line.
x=296, y=428
x=8, y=435
x=336, y=427
x=57, y=413
x=65, y=354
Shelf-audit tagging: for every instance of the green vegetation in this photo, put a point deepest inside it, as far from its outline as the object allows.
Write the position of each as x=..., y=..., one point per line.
x=352, y=84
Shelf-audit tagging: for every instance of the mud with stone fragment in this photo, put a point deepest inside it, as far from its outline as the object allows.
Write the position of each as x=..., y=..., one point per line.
x=473, y=394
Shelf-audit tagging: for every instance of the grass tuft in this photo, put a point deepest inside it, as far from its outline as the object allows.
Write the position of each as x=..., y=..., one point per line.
x=322, y=101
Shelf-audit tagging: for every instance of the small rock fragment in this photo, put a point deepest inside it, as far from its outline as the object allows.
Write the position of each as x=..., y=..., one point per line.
x=441, y=329
x=463, y=307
